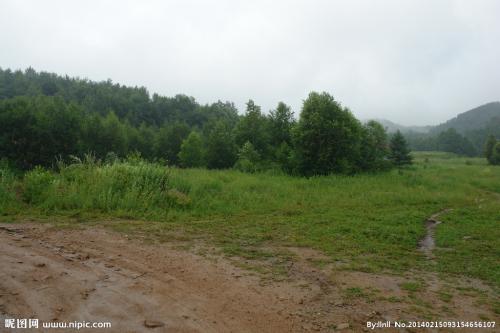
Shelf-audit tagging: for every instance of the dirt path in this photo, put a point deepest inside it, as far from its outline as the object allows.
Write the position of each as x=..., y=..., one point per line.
x=92, y=274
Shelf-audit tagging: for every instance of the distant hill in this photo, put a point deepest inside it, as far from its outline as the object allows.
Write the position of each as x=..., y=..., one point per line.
x=471, y=120
x=464, y=134
x=392, y=127
x=475, y=119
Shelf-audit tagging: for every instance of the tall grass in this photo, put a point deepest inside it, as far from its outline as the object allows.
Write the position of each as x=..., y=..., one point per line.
x=8, y=201
x=133, y=188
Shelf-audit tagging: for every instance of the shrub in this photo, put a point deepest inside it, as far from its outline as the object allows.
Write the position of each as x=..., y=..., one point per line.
x=37, y=183
x=133, y=186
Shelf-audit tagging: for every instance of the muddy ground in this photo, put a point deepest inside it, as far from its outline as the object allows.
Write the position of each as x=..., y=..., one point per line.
x=94, y=274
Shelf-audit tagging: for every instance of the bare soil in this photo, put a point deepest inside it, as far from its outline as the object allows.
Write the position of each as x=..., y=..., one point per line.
x=94, y=274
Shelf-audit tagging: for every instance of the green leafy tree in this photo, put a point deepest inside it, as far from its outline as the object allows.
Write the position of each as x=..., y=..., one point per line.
x=495, y=156
x=145, y=140
x=18, y=138
x=191, y=154
x=114, y=135
x=225, y=111
x=220, y=146
x=281, y=123
x=374, y=147
x=92, y=136
x=169, y=140
x=248, y=158
x=399, y=153
x=285, y=157
x=253, y=128
x=57, y=127
x=489, y=148
x=37, y=130
x=327, y=137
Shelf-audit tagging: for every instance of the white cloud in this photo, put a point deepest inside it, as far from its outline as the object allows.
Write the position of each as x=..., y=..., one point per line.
x=412, y=61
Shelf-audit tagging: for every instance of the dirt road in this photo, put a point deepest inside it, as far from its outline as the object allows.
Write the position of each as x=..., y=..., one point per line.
x=92, y=274
x=96, y=275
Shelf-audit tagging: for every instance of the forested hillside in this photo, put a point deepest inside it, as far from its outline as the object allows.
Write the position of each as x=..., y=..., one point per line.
x=465, y=134
x=471, y=120
x=131, y=104
x=45, y=118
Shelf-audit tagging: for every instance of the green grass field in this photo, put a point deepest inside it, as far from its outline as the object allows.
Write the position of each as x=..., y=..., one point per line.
x=367, y=222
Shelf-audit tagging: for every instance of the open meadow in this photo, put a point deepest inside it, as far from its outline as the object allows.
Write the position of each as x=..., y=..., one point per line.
x=353, y=230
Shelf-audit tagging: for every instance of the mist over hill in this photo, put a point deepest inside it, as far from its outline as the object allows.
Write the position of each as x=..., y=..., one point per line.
x=392, y=127
x=464, y=134
x=470, y=120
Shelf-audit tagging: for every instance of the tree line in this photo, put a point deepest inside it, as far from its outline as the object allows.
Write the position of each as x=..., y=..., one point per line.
x=44, y=117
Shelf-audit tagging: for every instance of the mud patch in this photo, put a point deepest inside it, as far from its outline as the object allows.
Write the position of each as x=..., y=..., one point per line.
x=93, y=274
x=428, y=243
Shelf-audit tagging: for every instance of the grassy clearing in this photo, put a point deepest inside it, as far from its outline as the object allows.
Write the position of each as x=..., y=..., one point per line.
x=368, y=222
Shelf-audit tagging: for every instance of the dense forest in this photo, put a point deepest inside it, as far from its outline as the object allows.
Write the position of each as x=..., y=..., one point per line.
x=45, y=118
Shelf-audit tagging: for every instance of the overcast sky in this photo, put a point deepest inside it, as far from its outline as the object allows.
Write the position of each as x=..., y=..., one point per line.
x=412, y=62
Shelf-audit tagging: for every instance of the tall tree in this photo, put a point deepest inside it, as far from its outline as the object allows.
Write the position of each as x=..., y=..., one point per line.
x=374, y=147
x=327, y=137
x=489, y=148
x=220, y=146
x=225, y=111
x=114, y=135
x=169, y=140
x=248, y=158
x=252, y=127
x=142, y=140
x=37, y=130
x=191, y=154
x=400, y=154
x=281, y=123
x=495, y=156
x=17, y=132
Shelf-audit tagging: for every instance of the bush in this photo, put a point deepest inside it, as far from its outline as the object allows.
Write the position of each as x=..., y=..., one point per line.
x=37, y=183
x=133, y=186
